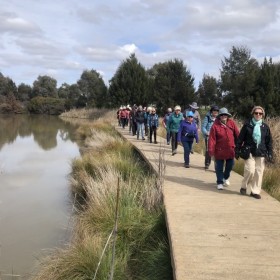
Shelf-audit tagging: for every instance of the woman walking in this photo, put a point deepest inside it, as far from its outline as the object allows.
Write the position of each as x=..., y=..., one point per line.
x=205, y=128
x=164, y=123
x=221, y=145
x=152, y=124
x=186, y=134
x=173, y=125
x=139, y=117
x=255, y=138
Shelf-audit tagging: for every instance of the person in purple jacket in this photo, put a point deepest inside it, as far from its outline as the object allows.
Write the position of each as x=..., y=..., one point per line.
x=186, y=134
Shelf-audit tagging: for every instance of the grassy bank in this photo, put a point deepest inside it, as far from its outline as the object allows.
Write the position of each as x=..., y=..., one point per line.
x=142, y=250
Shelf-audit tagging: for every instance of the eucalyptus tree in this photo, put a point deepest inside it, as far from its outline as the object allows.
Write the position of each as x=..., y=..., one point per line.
x=7, y=86
x=239, y=75
x=24, y=92
x=130, y=83
x=63, y=91
x=93, y=89
x=45, y=86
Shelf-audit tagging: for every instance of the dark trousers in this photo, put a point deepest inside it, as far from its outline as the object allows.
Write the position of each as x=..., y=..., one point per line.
x=187, y=150
x=133, y=127
x=168, y=136
x=174, y=141
x=153, y=130
x=207, y=161
x=223, y=168
x=123, y=122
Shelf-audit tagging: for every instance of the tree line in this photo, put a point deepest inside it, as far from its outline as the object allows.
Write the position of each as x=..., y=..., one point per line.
x=243, y=83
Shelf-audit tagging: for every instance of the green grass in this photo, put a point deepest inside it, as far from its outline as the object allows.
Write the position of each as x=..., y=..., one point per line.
x=142, y=249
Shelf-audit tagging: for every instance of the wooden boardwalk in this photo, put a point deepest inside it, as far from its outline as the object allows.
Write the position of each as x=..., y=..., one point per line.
x=214, y=234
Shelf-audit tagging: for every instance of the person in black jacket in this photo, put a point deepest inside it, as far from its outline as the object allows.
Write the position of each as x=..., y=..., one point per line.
x=255, y=137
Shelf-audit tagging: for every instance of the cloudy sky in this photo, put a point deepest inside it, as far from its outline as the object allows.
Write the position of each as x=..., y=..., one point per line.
x=62, y=38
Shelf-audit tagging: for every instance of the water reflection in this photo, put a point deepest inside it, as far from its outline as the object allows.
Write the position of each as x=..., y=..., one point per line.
x=35, y=156
x=43, y=128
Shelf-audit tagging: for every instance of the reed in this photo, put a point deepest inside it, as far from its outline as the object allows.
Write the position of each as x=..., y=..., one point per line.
x=142, y=250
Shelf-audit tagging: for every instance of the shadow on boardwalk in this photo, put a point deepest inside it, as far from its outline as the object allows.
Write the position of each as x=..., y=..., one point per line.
x=215, y=234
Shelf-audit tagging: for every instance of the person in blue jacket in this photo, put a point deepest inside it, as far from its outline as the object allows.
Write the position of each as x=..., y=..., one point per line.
x=205, y=128
x=186, y=135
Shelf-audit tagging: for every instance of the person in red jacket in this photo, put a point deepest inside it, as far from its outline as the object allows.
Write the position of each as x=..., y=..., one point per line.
x=221, y=145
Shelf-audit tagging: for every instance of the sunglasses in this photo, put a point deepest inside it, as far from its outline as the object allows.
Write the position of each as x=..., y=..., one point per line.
x=190, y=116
x=258, y=113
x=222, y=115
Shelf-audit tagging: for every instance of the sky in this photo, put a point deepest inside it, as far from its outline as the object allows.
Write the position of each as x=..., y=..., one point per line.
x=62, y=38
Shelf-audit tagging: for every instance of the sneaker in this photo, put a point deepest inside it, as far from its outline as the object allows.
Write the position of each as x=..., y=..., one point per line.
x=174, y=152
x=187, y=165
x=226, y=183
x=168, y=143
x=143, y=138
x=255, y=195
x=206, y=167
x=155, y=142
x=243, y=191
x=220, y=187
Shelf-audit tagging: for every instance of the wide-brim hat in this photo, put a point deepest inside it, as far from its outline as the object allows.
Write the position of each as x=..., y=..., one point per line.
x=194, y=105
x=224, y=111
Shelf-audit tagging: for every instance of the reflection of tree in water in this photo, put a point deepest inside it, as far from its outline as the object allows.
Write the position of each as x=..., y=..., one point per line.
x=45, y=129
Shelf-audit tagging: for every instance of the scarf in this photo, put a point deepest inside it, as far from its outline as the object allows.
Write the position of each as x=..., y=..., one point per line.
x=257, y=131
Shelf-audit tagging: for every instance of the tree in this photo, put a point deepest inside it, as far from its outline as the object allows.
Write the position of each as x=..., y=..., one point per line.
x=63, y=91
x=7, y=86
x=129, y=85
x=238, y=83
x=93, y=89
x=208, y=91
x=268, y=87
x=44, y=86
x=173, y=84
x=24, y=92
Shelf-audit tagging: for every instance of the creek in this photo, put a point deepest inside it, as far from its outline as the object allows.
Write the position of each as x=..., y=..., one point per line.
x=35, y=199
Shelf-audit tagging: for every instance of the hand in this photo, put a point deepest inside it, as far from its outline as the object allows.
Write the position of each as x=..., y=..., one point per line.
x=269, y=158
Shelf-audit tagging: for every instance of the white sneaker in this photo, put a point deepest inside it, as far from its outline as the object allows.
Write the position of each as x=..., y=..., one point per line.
x=220, y=187
x=226, y=183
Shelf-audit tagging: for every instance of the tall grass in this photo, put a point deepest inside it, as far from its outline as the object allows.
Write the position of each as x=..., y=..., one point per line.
x=142, y=250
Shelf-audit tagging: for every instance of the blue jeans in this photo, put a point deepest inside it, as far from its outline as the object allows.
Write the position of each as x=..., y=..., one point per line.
x=222, y=173
x=187, y=149
x=140, y=128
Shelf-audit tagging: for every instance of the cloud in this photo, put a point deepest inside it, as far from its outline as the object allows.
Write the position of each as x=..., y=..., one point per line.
x=66, y=37
x=13, y=24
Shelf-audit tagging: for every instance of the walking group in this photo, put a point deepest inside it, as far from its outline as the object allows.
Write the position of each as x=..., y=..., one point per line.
x=140, y=121
x=223, y=141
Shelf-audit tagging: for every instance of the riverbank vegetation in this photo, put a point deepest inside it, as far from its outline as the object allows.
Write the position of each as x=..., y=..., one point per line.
x=109, y=163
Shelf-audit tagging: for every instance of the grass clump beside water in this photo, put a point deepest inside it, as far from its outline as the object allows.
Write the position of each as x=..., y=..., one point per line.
x=142, y=249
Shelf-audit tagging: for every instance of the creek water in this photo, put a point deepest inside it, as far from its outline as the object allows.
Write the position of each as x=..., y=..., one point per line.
x=35, y=198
